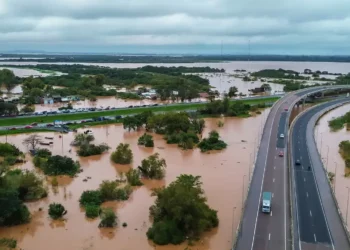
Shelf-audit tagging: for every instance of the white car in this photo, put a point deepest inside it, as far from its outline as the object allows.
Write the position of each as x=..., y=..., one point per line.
x=281, y=135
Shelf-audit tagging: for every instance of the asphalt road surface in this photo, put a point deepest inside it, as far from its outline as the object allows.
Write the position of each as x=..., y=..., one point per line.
x=313, y=223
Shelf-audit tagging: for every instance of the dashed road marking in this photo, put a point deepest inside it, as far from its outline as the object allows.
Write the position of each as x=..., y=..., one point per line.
x=273, y=180
x=310, y=213
x=269, y=236
x=315, y=237
x=272, y=195
x=307, y=194
x=304, y=179
x=271, y=213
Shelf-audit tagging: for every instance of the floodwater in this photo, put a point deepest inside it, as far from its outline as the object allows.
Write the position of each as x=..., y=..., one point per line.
x=327, y=143
x=224, y=175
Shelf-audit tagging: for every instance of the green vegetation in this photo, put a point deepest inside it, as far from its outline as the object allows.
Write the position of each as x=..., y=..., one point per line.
x=133, y=177
x=126, y=96
x=7, y=243
x=184, y=140
x=122, y=155
x=82, y=116
x=8, y=78
x=7, y=149
x=56, y=211
x=339, y=122
x=8, y=109
x=90, y=198
x=57, y=165
x=225, y=107
x=180, y=212
x=212, y=143
x=92, y=211
x=232, y=91
x=146, y=140
x=91, y=149
x=153, y=167
x=279, y=73
x=108, y=218
x=344, y=149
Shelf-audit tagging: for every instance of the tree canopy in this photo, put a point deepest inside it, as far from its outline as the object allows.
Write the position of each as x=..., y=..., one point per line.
x=180, y=212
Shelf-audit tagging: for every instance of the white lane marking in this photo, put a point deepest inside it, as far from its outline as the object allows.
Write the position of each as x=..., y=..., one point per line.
x=275, y=157
x=273, y=180
x=304, y=179
x=269, y=236
x=307, y=194
x=271, y=213
x=274, y=167
x=272, y=195
x=310, y=213
x=315, y=237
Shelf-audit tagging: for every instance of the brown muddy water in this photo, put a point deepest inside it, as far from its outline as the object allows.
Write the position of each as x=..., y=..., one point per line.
x=224, y=174
x=327, y=142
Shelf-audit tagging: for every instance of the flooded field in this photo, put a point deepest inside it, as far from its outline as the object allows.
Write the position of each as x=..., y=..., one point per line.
x=327, y=143
x=224, y=176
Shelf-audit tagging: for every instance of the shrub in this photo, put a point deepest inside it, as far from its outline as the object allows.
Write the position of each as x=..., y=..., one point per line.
x=54, y=182
x=43, y=153
x=185, y=140
x=8, y=243
x=60, y=165
x=212, y=143
x=7, y=149
x=146, y=140
x=122, y=155
x=108, y=190
x=27, y=183
x=133, y=177
x=90, y=197
x=92, y=211
x=19, y=216
x=122, y=194
x=153, y=167
x=108, y=218
x=56, y=211
x=82, y=139
x=10, y=160
x=91, y=149
x=171, y=224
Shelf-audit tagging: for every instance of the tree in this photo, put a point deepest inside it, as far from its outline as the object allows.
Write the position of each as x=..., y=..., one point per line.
x=60, y=165
x=7, y=108
x=146, y=140
x=232, y=91
x=122, y=155
x=108, y=190
x=212, y=143
x=198, y=125
x=266, y=87
x=56, y=211
x=92, y=211
x=180, y=211
x=91, y=197
x=8, y=78
x=132, y=122
x=32, y=141
x=133, y=177
x=153, y=167
x=108, y=218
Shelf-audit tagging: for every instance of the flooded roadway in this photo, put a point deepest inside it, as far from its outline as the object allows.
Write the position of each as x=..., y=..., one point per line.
x=223, y=175
x=327, y=143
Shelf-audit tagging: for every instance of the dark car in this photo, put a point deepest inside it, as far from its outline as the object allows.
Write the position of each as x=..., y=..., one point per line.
x=155, y=104
x=297, y=162
x=131, y=106
x=117, y=117
x=49, y=125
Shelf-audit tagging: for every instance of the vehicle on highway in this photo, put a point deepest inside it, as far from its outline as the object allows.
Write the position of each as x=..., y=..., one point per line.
x=34, y=124
x=266, y=202
x=281, y=154
x=281, y=135
x=285, y=109
x=13, y=128
x=297, y=162
x=49, y=125
x=28, y=127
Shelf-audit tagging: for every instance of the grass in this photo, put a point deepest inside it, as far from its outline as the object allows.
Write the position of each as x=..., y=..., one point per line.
x=23, y=131
x=81, y=116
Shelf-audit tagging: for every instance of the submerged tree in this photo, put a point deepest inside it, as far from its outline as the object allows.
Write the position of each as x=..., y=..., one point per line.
x=180, y=212
x=122, y=155
x=32, y=141
x=153, y=167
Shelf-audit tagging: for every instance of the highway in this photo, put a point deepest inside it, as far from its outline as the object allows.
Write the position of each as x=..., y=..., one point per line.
x=314, y=223
x=272, y=231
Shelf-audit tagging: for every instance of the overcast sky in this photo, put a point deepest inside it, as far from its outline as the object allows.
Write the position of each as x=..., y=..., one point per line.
x=177, y=26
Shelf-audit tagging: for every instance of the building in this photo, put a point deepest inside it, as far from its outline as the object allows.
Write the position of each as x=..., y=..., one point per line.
x=48, y=100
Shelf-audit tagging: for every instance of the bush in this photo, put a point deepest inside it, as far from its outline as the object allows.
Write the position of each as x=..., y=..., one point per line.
x=153, y=167
x=108, y=218
x=185, y=140
x=82, y=139
x=108, y=190
x=56, y=211
x=7, y=149
x=122, y=194
x=10, y=160
x=122, y=155
x=43, y=153
x=146, y=140
x=91, y=149
x=54, y=182
x=92, y=211
x=171, y=224
x=212, y=143
x=19, y=216
x=8, y=243
x=27, y=183
x=133, y=177
x=60, y=165
x=90, y=197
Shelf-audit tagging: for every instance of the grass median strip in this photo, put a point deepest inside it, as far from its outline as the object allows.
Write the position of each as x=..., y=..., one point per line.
x=81, y=116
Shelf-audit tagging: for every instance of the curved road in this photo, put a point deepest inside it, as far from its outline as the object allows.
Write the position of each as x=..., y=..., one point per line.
x=318, y=223
x=260, y=231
